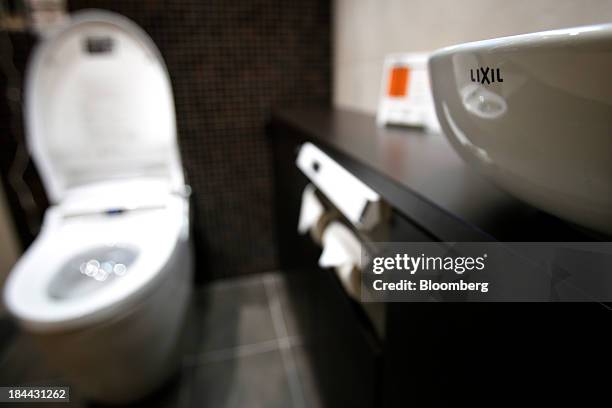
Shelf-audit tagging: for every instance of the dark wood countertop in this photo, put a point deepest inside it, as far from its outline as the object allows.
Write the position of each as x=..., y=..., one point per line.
x=421, y=176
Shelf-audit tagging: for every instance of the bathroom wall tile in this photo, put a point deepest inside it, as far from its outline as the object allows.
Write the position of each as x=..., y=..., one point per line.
x=25, y=210
x=230, y=63
x=357, y=84
x=365, y=31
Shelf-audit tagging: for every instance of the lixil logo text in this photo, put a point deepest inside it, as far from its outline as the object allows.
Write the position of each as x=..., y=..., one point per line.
x=486, y=75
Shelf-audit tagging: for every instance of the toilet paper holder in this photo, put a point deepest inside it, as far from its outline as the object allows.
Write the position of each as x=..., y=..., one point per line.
x=362, y=206
x=344, y=248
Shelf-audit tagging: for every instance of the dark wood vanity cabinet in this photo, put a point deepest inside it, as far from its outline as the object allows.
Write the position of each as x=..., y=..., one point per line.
x=433, y=354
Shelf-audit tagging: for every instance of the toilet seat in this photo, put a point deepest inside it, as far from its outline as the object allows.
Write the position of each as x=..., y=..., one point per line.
x=153, y=233
x=101, y=129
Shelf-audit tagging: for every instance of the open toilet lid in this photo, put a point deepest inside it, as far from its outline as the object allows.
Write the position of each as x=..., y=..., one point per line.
x=99, y=106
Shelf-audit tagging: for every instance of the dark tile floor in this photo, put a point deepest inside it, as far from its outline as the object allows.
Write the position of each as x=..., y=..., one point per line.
x=244, y=349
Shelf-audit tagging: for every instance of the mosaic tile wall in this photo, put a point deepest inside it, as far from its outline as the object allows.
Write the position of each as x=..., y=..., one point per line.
x=231, y=62
x=16, y=169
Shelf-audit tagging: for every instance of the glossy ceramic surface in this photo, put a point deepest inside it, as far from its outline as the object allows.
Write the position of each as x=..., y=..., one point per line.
x=99, y=106
x=105, y=286
x=534, y=113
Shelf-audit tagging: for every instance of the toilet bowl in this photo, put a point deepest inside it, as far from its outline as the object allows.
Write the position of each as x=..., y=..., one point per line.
x=104, y=289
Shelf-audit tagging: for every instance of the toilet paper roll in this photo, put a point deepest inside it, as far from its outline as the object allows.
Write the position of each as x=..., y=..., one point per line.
x=342, y=251
x=317, y=230
x=310, y=211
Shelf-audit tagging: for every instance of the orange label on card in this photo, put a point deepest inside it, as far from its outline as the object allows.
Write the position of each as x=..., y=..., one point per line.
x=398, y=82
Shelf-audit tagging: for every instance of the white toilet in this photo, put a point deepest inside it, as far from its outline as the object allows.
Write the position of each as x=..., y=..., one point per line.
x=105, y=287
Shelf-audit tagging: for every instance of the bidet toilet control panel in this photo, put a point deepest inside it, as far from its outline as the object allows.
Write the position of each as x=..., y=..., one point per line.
x=361, y=205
